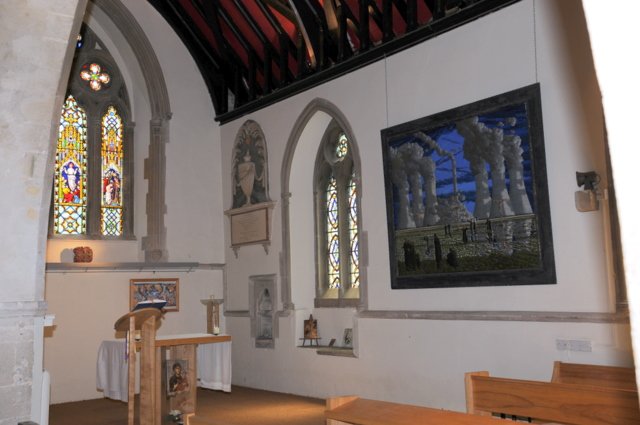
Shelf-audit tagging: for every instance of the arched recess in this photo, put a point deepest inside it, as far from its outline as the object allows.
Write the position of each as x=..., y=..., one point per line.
x=314, y=107
x=154, y=243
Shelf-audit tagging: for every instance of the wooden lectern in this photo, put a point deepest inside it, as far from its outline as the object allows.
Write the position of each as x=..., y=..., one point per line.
x=152, y=352
x=145, y=320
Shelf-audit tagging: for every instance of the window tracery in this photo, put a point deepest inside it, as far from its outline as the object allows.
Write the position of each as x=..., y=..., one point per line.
x=338, y=224
x=91, y=184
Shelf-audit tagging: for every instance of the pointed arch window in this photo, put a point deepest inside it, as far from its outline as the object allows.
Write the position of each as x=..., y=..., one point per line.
x=92, y=187
x=112, y=161
x=338, y=224
x=70, y=181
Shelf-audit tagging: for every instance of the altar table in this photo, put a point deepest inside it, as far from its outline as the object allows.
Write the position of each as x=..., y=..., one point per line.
x=213, y=366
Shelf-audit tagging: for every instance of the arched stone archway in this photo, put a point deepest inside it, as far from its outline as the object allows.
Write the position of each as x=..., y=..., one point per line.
x=317, y=105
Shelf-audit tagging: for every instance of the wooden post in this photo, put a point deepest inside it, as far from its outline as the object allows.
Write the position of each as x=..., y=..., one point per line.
x=144, y=320
x=387, y=21
x=147, y=373
x=364, y=25
x=468, y=389
x=131, y=352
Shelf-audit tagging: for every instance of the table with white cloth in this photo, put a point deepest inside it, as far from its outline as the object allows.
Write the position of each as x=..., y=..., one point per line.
x=213, y=367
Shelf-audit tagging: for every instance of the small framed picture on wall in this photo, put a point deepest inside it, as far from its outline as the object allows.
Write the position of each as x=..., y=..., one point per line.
x=152, y=290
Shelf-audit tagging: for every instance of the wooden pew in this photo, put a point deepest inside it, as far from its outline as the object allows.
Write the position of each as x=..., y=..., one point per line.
x=601, y=376
x=550, y=401
x=355, y=410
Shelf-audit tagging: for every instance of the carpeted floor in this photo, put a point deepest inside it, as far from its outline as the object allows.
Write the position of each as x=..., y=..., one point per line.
x=243, y=406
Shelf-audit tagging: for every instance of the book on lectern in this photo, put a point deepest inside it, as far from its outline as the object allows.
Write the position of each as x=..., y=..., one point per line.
x=155, y=303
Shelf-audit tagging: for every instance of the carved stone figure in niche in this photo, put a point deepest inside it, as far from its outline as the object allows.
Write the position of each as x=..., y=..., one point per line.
x=265, y=307
x=250, y=178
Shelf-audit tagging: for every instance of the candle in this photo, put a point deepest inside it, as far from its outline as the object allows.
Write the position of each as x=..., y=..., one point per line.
x=216, y=330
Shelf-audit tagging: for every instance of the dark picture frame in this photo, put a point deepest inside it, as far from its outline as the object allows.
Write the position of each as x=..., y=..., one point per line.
x=466, y=195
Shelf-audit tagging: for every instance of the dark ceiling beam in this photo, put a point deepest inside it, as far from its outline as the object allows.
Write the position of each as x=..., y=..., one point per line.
x=285, y=11
x=180, y=18
x=314, y=29
x=286, y=44
x=338, y=17
x=363, y=27
x=344, y=47
x=376, y=13
x=254, y=61
x=412, y=15
x=253, y=24
x=270, y=51
x=423, y=33
x=436, y=7
x=236, y=32
x=401, y=6
x=205, y=58
x=235, y=69
x=210, y=13
x=262, y=4
x=387, y=21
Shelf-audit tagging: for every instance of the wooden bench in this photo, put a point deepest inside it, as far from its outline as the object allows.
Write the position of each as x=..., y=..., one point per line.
x=550, y=401
x=602, y=376
x=355, y=410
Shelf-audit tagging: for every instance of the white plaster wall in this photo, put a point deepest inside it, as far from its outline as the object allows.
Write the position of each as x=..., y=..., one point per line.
x=193, y=182
x=423, y=362
x=193, y=218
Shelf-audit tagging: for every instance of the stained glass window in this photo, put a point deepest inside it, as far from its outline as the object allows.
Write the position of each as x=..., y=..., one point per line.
x=70, y=182
x=112, y=161
x=338, y=238
x=333, y=235
x=354, y=253
x=342, y=148
x=92, y=186
x=94, y=75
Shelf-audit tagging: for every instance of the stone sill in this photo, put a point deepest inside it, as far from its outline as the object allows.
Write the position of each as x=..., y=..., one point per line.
x=126, y=266
x=325, y=350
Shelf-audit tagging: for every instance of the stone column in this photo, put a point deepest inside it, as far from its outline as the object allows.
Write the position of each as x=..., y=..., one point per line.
x=37, y=39
x=155, y=243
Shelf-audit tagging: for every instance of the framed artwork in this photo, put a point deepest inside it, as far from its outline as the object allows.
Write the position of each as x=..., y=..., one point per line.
x=177, y=377
x=155, y=289
x=311, y=328
x=466, y=195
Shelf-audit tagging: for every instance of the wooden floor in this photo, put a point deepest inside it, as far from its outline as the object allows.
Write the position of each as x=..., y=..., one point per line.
x=243, y=406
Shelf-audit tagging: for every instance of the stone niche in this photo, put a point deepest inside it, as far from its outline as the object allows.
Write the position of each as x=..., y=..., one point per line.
x=262, y=311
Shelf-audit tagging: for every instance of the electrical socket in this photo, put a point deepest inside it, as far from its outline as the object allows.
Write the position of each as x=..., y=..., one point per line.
x=562, y=345
x=583, y=345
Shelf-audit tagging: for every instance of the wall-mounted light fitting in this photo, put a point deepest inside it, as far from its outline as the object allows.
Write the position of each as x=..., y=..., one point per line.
x=588, y=199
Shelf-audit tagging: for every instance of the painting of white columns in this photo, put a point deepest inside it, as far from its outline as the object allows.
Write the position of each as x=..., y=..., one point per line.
x=466, y=195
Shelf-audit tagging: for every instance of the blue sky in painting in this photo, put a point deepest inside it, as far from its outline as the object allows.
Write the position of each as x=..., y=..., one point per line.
x=448, y=139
